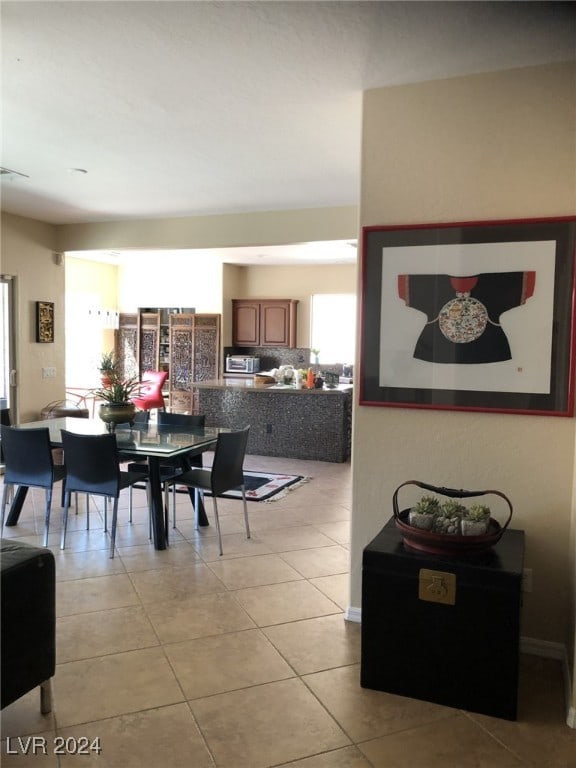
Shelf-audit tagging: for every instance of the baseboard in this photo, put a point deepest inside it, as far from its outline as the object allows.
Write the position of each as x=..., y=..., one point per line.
x=530, y=645
x=353, y=614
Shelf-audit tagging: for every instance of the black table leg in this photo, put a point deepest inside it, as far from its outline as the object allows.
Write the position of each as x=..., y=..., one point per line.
x=16, y=506
x=158, y=525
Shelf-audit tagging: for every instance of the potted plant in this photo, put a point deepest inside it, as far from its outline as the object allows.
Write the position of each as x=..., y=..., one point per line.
x=448, y=518
x=423, y=513
x=117, y=407
x=107, y=367
x=475, y=520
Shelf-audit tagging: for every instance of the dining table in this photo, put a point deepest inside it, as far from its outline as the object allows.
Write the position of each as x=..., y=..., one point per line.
x=150, y=441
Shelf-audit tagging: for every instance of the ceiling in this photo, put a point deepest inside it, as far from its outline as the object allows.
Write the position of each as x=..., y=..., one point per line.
x=124, y=110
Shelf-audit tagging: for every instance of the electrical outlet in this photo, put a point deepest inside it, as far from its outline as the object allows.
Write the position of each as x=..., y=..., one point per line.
x=527, y=580
x=49, y=373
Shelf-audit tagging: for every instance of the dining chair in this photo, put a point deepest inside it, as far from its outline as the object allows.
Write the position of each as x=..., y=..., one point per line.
x=93, y=467
x=226, y=473
x=29, y=463
x=149, y=394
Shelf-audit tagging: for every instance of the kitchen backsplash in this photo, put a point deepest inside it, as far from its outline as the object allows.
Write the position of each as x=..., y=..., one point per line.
x=274, y=357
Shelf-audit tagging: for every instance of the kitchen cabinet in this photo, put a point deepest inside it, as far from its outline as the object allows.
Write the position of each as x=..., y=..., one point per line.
x=264, y=322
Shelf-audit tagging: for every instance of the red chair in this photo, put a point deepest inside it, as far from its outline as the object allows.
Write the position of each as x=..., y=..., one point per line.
x=150, y=391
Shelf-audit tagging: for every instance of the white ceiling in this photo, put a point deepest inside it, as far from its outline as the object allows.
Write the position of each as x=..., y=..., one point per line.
x=195, y=108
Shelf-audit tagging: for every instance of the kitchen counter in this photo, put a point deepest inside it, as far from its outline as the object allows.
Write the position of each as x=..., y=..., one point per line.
x=284, y=421
x=249, y=383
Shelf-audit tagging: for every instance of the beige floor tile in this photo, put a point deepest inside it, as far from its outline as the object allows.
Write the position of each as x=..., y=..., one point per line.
x=270, y=516
x=210, y=665
x=172, y=583
x=253, y=571
x=365, y=714
x=348, y=757
x=279, y=603
x=333, y=512
x=266, y=725
x=451, y=743
x=317, y=644
x=233, y=545
x=338, y=532
x=145, y=558
x=118, y=684
x=540, y=736
x=96, y=594
x=81, y=540
x=23, y=716
x=158, y=738
x=320, y=561
x=229, y=524
x=37, y=751
x=82, y=565
x=296, y=537
x=96, y=634
x=197, y=616
x=335, y=587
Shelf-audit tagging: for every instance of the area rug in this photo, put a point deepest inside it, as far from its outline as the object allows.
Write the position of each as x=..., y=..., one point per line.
x=266, y=486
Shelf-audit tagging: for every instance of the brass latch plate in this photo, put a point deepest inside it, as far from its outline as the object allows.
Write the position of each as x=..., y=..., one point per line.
x=437, y=586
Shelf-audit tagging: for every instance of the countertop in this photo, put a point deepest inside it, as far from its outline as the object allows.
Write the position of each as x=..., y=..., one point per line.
x=248, y=383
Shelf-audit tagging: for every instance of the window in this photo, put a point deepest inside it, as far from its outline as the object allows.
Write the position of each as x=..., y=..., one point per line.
x=333, y=331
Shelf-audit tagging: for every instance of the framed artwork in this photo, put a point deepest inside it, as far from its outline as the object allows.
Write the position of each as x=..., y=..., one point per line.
x=45, y=322
x=475, y=316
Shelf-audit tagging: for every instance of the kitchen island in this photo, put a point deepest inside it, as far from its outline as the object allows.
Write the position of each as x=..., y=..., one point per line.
x=284, y=421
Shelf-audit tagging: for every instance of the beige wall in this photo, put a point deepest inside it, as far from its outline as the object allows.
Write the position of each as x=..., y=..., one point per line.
x=27, y=249
x=264, y=228
x=297, y=282
x=498, y=146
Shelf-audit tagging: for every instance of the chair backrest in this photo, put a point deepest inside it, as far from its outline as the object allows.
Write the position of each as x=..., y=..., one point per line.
x=140, y=417
x=92, y=463
x=149, y=393
x=229, y=460
x=28, y=456
x=6, y=421
x=181, y=419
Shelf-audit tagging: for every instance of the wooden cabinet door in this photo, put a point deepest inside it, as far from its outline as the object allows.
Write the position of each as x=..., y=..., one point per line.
x=245, y=323
x=277, y=324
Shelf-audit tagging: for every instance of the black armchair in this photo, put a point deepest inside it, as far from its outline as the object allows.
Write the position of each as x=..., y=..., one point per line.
x=28, y=642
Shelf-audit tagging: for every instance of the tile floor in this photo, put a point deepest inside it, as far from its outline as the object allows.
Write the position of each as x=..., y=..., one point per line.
x=184, y=659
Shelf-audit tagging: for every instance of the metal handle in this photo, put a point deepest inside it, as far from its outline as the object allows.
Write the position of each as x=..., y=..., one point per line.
x=452, y=493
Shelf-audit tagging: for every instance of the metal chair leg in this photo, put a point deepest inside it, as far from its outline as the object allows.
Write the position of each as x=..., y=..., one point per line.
x=243, y=489
x=113, y=530
x=217, y=524
x=46, y=696
x=64, y=520
x=47, y=515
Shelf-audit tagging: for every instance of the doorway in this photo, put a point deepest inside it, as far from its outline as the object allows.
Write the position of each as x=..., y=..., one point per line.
x=8, y=390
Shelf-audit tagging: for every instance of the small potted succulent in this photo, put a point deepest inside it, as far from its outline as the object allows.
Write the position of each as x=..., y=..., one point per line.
x=117, y=407
x=475, y=520
x=107, y=367
x=423, y=513
x=448, y=518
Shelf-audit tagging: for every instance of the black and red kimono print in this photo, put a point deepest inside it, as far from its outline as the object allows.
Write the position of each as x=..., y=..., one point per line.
x=463, y=314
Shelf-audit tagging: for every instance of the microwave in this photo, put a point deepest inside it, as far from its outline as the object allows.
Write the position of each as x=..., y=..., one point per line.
x=242, y=364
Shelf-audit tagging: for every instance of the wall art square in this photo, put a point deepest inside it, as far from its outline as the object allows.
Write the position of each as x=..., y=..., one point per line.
x=469, y=316
x=45, y=322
